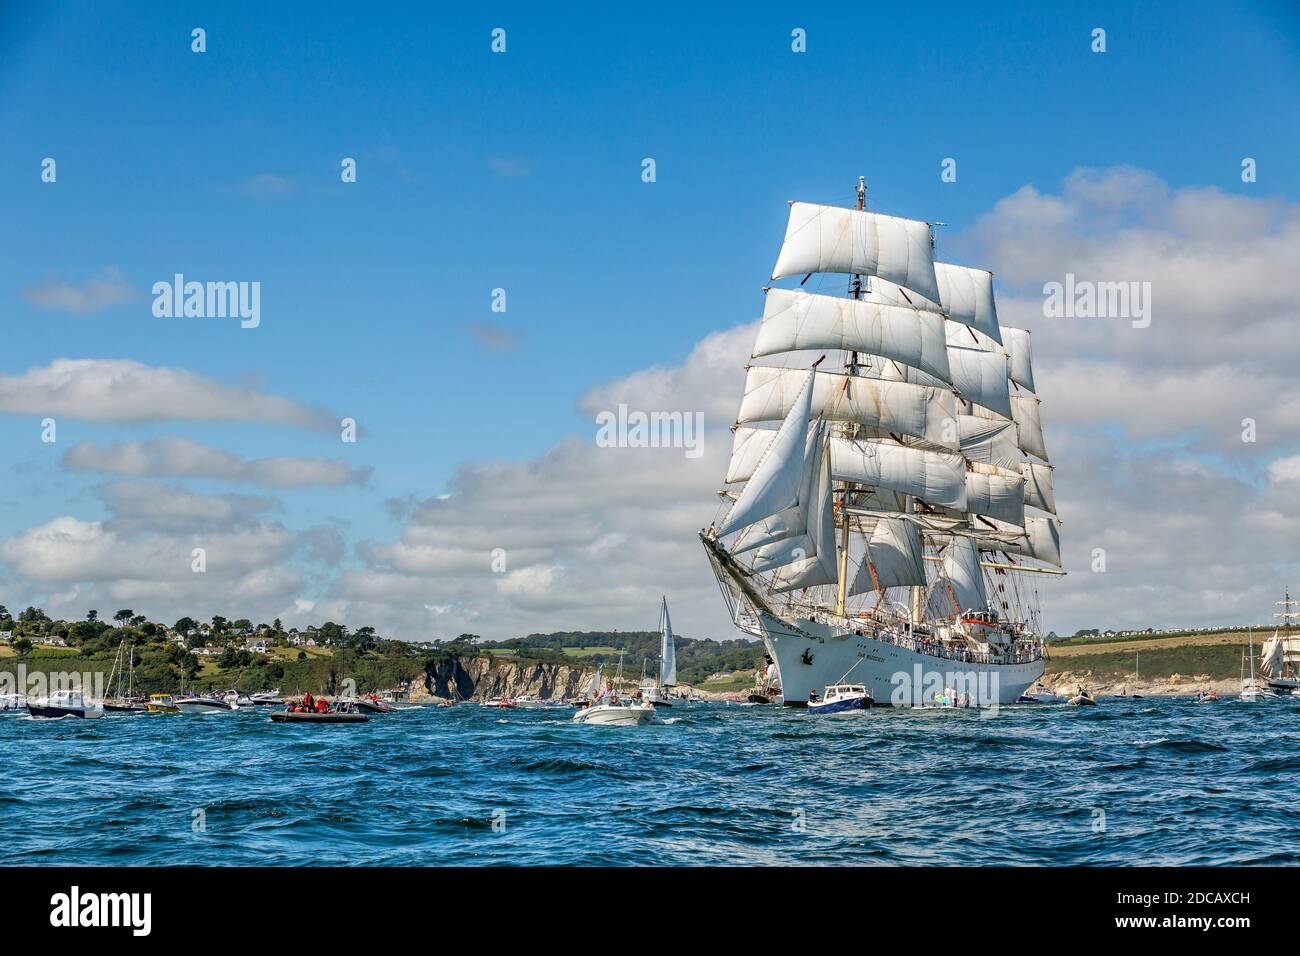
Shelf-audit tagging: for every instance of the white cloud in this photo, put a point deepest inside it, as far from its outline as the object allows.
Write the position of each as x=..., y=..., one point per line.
x=103, y=291
x=183, y=457
x=121, y=390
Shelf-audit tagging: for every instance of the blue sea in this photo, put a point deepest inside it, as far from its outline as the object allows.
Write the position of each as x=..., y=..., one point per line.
x=1153, y=781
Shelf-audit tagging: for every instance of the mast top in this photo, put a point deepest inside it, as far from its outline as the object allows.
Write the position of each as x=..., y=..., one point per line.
x=862, y=192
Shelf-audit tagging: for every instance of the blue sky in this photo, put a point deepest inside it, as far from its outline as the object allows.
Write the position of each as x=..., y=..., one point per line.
x=522, y=171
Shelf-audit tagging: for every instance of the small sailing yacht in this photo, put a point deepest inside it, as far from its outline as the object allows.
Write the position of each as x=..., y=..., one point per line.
x=657, y=694
x=1252, y=687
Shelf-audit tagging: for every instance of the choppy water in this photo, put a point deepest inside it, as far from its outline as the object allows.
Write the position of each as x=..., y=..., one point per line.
x=1177, y=782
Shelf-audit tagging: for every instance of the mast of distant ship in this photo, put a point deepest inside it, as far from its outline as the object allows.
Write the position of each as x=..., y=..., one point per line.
x=842, y=584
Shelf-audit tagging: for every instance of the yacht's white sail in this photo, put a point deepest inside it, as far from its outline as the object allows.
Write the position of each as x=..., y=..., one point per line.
x=880, y=507
x=667, y=651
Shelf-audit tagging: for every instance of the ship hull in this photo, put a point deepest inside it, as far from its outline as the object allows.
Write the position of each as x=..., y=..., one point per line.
x=811, y=655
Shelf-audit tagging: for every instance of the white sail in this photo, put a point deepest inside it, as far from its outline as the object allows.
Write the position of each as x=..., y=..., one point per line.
x=1014, y=345
x=819, y=568
x=980, y=376
x=1022, y=363
x=792, y=521
x=831, y=239
x=779, y=474
x=1038, y=486
x=965, y=296
x=936, y=477
x=997, y=494
x=748, y=445
x=1273, y=656
x=1040, y=538
x=993, y=441
x=1029, y=425
x=893, y=557
x=667, y=651
x=922, y=412
x=797, y=320
x=961, y=567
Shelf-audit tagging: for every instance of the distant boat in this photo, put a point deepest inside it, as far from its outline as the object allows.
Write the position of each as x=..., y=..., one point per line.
x=1040, y=694
x=13, y=704
x=657, y=694
x=841, y=698
x=124, y=700
x=1279, y=662
x=196, y=704
x=65, y=703
x=162, y=704
x=1252, y=688
x=1207, y=697
x=327, y=717
x=267, y=698
x=1083, y=697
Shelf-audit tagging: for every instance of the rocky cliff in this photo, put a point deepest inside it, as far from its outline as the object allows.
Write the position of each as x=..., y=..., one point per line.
x=463, y=678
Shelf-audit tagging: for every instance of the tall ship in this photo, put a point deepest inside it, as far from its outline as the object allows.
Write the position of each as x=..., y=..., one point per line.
x=1279, y=661
x=887, y=511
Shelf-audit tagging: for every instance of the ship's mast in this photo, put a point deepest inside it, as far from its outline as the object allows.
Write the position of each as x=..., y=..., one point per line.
x=842, y=582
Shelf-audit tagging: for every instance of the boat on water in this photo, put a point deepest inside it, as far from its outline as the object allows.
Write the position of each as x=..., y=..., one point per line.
x=1082, y=697
x=613, y=711
x=369, y=705
x=266, y=698
x=13, y=704
x=841, y=698
x=658, y=693
x=65, y=703
x=203, y=704
x=317, y=717
x=1207, y=697
x=607, y=708
x=122, y=697
x=504, y=703
x=1040, y=693
x=162, y=704
x=238, y=699
x=1279, y=660
x=1253, y=688
x=891, y=509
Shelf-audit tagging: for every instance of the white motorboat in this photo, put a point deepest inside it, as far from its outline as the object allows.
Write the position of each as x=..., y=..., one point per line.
x=237, y=699
x=13, y=704
x=65, y=703
x=266, y=698
x=609, y=709
x=196, y=704
x=613, y=712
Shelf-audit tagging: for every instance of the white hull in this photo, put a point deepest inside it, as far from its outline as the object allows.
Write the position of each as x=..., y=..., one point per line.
x=615, y=715
x=202, y=707
x=893, y=674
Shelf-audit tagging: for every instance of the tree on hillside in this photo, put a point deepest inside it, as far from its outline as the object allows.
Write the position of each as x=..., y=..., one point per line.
x=22, y=645
x=139, y=620
x=124, y=615
x=219, y=624
x=33, y=615
x=92, y=615
x=4, y=613
x=185, y=626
